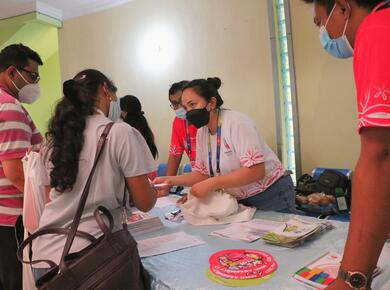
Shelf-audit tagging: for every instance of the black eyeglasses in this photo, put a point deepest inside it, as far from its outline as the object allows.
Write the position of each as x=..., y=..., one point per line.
x=33, y=75
x=174, y=105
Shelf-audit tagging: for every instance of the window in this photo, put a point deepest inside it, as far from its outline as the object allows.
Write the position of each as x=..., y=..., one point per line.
x=284, y=85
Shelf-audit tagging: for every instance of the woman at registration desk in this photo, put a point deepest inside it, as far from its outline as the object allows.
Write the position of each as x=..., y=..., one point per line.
x=231, y=154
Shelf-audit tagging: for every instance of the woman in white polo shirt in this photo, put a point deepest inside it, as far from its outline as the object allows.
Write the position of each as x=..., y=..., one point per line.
x=74, y=130
x=231, y=154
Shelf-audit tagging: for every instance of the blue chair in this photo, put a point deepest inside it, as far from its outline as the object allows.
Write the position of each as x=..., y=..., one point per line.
x=187, y=168
x=162, y=169
x=319, y=170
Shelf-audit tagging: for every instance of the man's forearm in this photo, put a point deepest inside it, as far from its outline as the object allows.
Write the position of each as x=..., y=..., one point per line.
x=173, y=164
x=189, y=179
x=370, y=213
x=19, y=183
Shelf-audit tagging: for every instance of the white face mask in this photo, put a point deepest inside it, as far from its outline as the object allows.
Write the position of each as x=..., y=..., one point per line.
x=29, y=93
x=115, y=111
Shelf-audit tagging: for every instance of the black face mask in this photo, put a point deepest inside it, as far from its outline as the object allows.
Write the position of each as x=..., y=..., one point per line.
x=198, y=117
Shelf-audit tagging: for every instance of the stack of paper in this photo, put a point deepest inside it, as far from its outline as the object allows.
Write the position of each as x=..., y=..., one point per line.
x=167, y=243
x=141, y=222
x=166, y=201
x=247, y=231
x=321, y=272
x=295, y=231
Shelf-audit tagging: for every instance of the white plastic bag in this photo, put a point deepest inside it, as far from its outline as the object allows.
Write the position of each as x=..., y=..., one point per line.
x=34, y=190
x=28, y=278
x=217, y=207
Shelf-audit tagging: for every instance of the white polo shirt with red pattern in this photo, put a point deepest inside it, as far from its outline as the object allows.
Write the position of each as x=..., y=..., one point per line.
x=241, y=146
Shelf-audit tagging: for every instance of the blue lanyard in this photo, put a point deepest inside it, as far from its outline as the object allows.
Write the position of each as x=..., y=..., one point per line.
x=188, y=138
x=218, y=157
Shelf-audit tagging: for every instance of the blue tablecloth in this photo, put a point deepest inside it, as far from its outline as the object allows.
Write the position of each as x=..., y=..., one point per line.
x=185, y=269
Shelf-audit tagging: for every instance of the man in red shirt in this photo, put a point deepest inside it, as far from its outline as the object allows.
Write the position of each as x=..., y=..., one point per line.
x=183, y=137
x=19, y=79
x=183, y=134
x=361, y=28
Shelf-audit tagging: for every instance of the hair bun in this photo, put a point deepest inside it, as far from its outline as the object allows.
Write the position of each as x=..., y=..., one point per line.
x=70, y=90
x=216, y=82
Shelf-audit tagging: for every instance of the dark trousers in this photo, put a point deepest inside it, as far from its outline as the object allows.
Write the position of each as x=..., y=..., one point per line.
x=10, y=267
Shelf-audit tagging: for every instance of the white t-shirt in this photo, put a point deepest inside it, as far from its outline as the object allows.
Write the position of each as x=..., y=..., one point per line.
x=125, y=154
x=241, y=146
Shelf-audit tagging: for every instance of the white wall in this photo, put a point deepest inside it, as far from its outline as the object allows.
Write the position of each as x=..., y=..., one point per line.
x=224, y=38
x=326, y=98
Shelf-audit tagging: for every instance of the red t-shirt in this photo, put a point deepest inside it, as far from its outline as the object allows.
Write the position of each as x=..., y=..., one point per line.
x=372, y=69
x=179, y=142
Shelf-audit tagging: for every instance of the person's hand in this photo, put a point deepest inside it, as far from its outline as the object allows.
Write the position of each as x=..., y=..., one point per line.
x=338, y=284
x=182, y=200
x=162, y=192
x=203, y=188
x=162, y=185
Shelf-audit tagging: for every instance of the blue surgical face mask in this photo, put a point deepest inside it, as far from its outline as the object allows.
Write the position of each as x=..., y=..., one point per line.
x=115, y=111
x=338, y=47
x=181, y=113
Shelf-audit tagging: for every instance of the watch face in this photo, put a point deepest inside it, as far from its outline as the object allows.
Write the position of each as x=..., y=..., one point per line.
x=357, y=280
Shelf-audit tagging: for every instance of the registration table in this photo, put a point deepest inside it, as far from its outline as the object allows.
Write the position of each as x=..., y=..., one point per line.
x=185, y=269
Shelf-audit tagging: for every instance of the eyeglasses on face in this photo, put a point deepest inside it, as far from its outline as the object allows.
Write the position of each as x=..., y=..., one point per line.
x=175, y=105
x=34, y=76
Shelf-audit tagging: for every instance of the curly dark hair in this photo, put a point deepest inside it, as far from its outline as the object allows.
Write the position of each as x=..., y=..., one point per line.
x=65, y=136
x=135, y=118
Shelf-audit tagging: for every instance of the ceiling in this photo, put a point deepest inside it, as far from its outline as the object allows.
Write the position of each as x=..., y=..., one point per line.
x=59, y=9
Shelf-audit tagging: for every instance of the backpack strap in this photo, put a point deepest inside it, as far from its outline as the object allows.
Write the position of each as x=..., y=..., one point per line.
x=83, y=199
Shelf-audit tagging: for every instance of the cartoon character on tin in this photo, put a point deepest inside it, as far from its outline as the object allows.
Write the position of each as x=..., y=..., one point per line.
x=236, y=261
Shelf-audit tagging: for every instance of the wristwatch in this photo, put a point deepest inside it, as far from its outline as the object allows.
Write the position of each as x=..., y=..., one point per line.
x=355, y=280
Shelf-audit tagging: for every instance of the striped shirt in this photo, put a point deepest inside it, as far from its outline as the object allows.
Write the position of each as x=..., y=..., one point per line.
x=17, y=134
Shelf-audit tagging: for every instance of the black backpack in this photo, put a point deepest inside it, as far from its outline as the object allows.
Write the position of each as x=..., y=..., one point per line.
x=331, y=179
x=327, y=182
x=306, y=185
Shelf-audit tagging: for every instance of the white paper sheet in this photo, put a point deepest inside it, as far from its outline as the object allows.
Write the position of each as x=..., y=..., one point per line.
x=167, y=243
x=166, y=201
x=248, y=231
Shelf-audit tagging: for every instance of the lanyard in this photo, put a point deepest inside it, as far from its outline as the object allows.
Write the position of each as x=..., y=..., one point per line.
x=382, y=5
x=188, y=138
x=218, y=157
